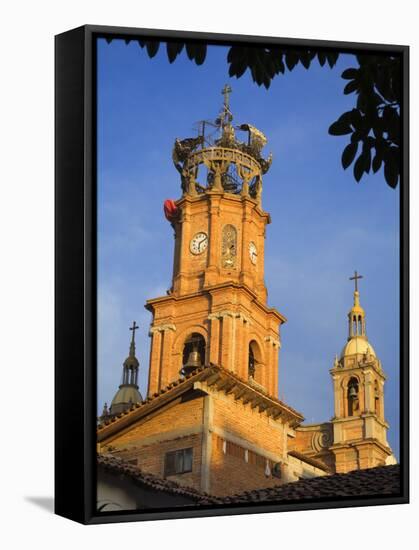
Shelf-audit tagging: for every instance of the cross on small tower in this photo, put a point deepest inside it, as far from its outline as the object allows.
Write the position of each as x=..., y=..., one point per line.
x=134, y=328
x=226, y=91
x=355, y=278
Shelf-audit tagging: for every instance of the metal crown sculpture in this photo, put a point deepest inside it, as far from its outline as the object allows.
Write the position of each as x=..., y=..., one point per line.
x=232, y=166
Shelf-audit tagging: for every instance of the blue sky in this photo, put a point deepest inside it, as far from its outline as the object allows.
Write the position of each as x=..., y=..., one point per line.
x=324, y=224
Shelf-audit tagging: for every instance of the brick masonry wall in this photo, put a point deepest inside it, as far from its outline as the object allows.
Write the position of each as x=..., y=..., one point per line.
x=236, y=428
x=182, y=415
x=241, y=420
x=231, y=474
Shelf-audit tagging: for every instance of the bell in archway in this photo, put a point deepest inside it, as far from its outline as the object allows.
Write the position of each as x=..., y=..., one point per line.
x=193, y=362
x=352, y=392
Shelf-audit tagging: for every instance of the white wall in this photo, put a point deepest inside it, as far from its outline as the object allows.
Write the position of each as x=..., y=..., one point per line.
x=26, y=272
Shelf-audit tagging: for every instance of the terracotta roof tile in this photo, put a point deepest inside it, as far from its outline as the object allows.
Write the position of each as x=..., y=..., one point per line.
x=380, y=481
x=119, y=466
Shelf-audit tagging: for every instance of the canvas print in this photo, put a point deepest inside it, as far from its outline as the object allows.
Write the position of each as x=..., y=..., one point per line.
x=247, y=275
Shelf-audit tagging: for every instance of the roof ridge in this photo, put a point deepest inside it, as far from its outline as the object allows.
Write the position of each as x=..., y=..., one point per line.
x=183, y=380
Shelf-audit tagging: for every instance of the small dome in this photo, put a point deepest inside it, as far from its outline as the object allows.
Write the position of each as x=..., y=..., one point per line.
x=125, y=394
x=357, y=344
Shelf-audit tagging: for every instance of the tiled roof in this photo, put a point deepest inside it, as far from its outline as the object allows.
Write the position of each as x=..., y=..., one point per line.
x=213, y=375
x=380, y=481
x=119, y=466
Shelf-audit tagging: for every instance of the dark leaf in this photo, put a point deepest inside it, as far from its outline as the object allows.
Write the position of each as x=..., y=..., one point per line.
x=173, y=50
x=332, y=58
x=291, y=60
x=377, y=161
x=305, y=59
x=356, y=118
x=197, y=52
x=356, y=136
x=352, y=86
x=237, y=69
x=366, y=153
x=359, y=168
x=339, y=128
x=348, y=154
x=391, y=171
x=321, y=56
x=350, y=74
x=201, y=53
x=152, y=48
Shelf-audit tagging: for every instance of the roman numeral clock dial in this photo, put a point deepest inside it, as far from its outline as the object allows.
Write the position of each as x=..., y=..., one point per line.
x=199, y=243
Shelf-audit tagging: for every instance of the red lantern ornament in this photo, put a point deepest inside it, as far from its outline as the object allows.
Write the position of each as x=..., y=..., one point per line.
x=171, y=211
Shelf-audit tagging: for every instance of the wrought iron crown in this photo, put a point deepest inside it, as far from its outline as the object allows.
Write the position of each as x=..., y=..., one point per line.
x=216, y=160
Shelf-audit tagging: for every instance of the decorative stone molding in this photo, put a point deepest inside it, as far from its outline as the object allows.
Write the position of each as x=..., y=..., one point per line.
x=221, y=314
x=273, y=341
x=321, y=440
x=162, y=328
x=244, y=318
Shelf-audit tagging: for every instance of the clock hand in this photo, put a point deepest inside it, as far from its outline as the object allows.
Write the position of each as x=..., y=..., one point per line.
x=201, y=242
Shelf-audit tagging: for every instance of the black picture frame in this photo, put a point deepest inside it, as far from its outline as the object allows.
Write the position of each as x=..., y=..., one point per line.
x=75, y=276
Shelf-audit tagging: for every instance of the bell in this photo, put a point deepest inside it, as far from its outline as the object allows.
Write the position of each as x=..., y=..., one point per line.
x=352, y=392
x=193, y=362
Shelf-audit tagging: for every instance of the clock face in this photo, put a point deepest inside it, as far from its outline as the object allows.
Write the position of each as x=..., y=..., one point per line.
x=199, y=243
x=253, y=253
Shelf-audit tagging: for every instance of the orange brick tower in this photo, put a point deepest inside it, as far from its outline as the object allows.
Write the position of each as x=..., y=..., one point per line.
x=212, y=418
x=217, y=303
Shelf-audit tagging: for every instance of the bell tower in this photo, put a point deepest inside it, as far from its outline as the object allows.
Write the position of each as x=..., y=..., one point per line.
x=359, y=426
x=216, y=309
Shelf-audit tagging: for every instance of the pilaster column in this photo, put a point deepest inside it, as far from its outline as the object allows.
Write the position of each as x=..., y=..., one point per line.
x=337, y=396
x=226, y=339
x=214, y=245
x=168, y=370
x=161, y=349
x=154, y=369
x=381, y=385
x=246, y=276
x=270, y=380
x=368, y=389
x=185, y=238
x=214, y=339
x=242, y=345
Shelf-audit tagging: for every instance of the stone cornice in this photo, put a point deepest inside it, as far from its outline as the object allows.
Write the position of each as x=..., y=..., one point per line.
x=213, y=289
x=161, y=328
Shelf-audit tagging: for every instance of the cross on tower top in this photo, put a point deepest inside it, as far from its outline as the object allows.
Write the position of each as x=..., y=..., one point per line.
x=355, y=278
x=133, y=328
x=226, y=91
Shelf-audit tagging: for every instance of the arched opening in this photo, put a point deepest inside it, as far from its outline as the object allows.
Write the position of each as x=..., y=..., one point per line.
x=353, y=397
x=376, y=398
x=354, y=331
x=359, y=325
x=254, y=369
x=193, y=355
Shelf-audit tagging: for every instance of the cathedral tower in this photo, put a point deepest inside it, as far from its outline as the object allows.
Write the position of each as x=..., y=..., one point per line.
x=359, y=426
x=216, y=310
